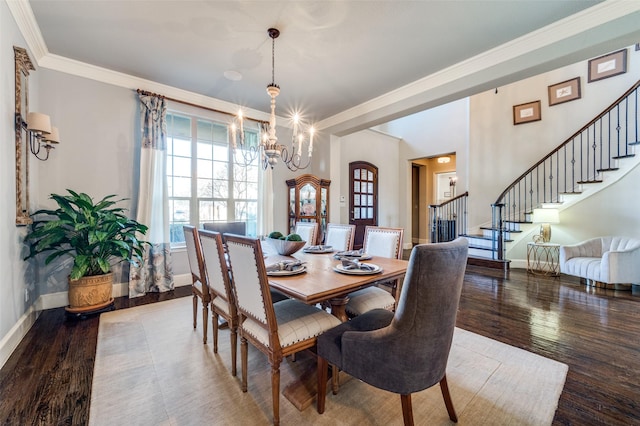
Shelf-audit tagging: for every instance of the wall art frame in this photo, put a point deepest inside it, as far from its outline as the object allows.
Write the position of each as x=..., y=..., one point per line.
x=608, y=65
x=23, y=65
x=565, y=91
x=527, y=112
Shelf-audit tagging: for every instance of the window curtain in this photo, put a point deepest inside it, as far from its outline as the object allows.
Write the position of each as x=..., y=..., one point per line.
x=155, y=274
x=265, y=195
x=265, y=202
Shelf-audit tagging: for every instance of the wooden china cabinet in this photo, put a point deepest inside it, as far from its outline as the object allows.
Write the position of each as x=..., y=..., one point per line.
x=308, y=201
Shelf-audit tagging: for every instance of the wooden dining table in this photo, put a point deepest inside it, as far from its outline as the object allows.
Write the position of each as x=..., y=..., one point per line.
x=322, y=283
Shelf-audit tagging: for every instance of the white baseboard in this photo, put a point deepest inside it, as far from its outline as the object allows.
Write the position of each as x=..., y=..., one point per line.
x=518, y=263
x=11, y=340
x=182, y=280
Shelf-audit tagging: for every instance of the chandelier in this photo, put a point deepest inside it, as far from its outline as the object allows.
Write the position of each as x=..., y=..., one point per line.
x=267, y=147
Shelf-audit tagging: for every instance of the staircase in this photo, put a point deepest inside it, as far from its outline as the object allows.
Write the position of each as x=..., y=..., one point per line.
x=593, y=158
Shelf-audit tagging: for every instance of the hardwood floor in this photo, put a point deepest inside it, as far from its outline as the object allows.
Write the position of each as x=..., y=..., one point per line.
x=47, y=380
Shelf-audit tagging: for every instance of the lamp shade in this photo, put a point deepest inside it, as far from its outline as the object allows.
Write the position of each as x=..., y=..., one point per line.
x=38, y=122
x=54, y=136
x=546, y=216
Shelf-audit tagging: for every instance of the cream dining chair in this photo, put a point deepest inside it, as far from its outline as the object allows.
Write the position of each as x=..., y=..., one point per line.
x=383, y=242
x=219, y=285
x=198, y=284
x=276, y=329
x=308, y=231
x=340, y=236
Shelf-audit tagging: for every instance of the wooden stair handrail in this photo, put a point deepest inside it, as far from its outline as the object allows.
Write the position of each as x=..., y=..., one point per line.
x=457, y=197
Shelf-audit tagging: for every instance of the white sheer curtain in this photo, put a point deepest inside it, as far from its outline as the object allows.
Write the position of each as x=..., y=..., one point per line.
x=265, y=202
x=155, y=274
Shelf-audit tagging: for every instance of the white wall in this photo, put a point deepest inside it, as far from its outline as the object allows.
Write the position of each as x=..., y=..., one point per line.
x=382, y=151
x=16, y=314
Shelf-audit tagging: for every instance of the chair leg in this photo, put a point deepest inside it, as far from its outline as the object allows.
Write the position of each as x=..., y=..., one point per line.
x=322, y=383
x=234, y=350
x=407, y=411
x=205, y=321
x=195, y=311
x=447, y=400
x=214, y=322
x=275, y=391
x=243, y=355
x=335, y=377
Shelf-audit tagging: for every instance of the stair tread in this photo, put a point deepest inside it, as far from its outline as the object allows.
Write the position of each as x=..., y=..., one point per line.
x=610, y=169
x=590, y=181
x=481, y=237
x=488, y=228
x=623, y=156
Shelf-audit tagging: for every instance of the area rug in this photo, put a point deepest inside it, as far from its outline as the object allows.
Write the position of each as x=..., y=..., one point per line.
x=151, y=368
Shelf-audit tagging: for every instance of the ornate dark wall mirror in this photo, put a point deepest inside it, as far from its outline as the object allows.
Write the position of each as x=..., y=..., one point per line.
x=23, y=66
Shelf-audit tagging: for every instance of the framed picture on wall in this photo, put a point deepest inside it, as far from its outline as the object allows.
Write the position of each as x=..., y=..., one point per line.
x=564, y=92
x=526, y=113
x=608, y=65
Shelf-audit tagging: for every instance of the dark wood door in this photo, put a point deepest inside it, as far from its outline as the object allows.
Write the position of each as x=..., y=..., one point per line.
x=363, y=198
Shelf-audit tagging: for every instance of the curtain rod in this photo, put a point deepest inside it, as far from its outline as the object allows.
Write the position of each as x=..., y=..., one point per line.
x=147, y=93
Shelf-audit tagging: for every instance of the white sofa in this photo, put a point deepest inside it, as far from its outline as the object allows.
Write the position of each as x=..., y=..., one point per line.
x=610, y=262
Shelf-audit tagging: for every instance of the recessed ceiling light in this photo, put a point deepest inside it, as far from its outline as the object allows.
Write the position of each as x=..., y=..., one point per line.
x=232, y=75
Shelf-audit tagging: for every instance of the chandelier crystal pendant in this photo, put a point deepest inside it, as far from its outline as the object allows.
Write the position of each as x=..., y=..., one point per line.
x=268, y=148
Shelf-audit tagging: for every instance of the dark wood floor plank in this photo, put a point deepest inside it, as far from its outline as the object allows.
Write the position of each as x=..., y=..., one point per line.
x=595, y=331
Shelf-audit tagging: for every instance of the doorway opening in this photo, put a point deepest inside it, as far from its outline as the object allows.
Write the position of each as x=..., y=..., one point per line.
x=433, y=181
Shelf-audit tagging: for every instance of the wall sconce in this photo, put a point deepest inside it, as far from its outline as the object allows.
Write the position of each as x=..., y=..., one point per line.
x=545, y=217
x=444, y=160
x=452, y=185
x=40, y=133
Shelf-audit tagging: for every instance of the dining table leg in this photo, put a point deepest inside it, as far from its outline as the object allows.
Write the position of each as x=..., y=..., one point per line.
x=338, y=307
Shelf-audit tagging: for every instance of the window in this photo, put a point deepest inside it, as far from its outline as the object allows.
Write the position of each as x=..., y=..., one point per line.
x=204, y=183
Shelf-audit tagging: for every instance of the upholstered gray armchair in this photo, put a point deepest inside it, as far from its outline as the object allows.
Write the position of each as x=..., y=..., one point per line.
x=405, y=352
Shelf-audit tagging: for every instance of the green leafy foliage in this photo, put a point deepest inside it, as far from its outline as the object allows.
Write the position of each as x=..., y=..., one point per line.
x=275, y=235
x=293, y=237
x=94, y=235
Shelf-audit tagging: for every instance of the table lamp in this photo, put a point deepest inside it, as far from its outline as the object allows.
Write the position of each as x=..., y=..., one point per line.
x=545, y=217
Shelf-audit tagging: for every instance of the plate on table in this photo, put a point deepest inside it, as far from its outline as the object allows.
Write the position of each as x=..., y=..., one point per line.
x=353, y=254
x=340, y=268
x=318, y=249
x=297, y=270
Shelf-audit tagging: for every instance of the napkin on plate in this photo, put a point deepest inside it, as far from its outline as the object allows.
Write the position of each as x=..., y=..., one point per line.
x=348, y=253
x=285, y=265
x=351, y=264
x=317, y=248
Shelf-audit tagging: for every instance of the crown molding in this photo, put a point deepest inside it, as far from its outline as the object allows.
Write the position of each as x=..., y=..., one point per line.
x=115, y=78
x=26, y=22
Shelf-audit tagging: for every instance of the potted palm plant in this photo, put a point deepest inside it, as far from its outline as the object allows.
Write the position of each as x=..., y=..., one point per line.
x=96, y=235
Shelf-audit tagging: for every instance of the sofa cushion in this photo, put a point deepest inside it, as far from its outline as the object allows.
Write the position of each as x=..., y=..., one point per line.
x=585, y=267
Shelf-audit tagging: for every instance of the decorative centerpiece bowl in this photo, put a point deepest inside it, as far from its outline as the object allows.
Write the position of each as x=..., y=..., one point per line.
x=285, y=247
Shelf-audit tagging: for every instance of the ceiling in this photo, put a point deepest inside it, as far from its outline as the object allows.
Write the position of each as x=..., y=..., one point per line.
x=330, y=57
